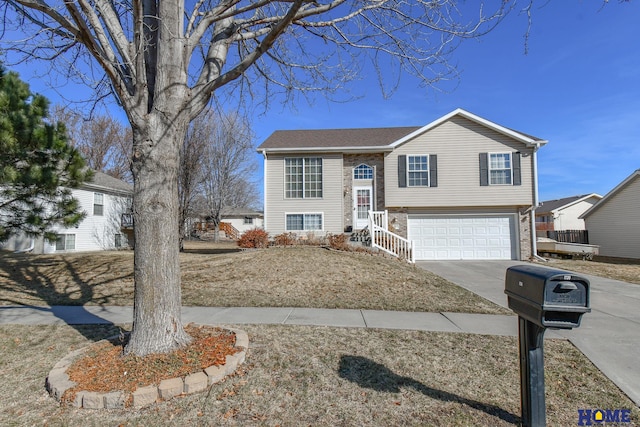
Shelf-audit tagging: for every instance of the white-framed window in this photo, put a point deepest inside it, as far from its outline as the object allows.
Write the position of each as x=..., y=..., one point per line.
x=363, y=172
x=248, y=220
x=303, y=177
x=303, y=222
x=500, y=170
x=65, y=242
x=98, y=204
x=418, y=171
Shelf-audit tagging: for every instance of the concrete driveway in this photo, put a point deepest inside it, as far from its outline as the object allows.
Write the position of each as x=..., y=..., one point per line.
x=609, y=336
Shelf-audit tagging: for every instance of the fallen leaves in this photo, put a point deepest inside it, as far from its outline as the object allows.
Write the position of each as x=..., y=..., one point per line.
x=104, y=368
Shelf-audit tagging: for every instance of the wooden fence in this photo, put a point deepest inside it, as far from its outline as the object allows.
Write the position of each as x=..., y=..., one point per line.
x=569, y=236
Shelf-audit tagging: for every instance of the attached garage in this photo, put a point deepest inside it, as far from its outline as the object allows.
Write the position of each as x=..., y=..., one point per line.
x=463, y=237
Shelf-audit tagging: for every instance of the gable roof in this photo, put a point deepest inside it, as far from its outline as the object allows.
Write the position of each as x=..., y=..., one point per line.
x=630, y=179
x=529, y=140
x=240, y=212
x=552, y=205
x=102, y=181
x=372, y=139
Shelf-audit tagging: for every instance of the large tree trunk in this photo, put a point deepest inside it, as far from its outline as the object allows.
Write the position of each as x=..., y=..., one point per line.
x=157, y=325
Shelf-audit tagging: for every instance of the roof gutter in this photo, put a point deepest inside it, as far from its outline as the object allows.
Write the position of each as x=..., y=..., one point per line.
x=102, y=189
x=371, y=149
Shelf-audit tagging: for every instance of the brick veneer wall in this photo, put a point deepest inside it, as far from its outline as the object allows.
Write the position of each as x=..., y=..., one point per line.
x=525, y=235
x=398, y=222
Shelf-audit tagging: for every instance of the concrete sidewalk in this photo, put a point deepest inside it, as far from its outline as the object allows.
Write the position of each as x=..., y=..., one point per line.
x=609, y=336
x=441, y=322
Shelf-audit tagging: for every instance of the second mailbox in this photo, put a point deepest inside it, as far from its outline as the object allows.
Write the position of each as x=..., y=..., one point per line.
x=550, y=298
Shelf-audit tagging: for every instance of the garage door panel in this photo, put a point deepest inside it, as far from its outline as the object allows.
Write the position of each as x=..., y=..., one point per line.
x=463, y=237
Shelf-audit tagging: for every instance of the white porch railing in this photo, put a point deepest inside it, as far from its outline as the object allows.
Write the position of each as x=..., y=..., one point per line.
x=386, y=240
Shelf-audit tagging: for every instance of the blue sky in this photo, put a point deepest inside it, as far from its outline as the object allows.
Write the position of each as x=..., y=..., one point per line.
x=577, y=87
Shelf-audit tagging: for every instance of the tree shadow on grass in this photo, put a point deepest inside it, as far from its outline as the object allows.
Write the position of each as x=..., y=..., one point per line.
x=33, y=277
x=369, y=374
x=211, y=251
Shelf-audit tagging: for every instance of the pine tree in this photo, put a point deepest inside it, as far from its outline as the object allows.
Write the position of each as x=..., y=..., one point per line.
x=37, y=165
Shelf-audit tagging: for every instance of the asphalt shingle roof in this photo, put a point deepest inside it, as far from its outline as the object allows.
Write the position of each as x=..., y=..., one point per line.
x=335, y=138
x=101, y=179
x=550, y=205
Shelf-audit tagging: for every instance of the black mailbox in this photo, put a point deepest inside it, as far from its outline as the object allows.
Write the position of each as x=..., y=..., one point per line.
x=542, y=298
x=547, y=297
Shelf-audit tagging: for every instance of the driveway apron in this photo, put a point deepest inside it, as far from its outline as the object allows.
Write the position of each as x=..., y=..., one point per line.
x=609, y=336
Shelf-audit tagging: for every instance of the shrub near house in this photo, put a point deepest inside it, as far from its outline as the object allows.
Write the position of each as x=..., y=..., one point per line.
x=254, y=238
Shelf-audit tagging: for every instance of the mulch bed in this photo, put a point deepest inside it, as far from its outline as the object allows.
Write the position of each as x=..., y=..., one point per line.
x=104, y=368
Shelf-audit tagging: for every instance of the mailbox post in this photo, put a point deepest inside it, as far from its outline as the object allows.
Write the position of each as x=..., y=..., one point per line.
x=542, y=298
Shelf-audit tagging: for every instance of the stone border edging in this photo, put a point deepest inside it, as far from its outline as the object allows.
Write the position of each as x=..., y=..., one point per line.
x=58, y=381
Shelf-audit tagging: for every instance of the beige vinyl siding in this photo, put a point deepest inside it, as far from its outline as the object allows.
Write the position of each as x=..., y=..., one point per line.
x=457, y=144
x=615, y=225
x=330, y=204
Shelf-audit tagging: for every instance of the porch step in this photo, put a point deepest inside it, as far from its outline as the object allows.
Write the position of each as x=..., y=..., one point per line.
x=361, y=236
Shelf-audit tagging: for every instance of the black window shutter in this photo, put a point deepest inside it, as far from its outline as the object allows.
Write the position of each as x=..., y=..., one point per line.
x=433, y=170
x=484, y=170
x=402, y=171
x=517, y=178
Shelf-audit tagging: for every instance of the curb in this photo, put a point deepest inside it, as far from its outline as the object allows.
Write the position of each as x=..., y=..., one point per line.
x=58, y=382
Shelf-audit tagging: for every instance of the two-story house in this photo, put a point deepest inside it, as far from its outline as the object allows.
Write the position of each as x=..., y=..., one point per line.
x=104, y=200
x=460, y=187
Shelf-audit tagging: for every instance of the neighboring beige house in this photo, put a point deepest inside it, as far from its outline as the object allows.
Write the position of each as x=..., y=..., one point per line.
x=461, y=187
x=614, y=222
x=564, y=214
x=104, y=199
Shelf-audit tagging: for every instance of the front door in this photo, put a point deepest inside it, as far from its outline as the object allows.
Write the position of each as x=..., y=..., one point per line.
x=362, y=203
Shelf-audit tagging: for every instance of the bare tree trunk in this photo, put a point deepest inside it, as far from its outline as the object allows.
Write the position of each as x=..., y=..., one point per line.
x=157, y=324
x=181, y=239
x=216, y=233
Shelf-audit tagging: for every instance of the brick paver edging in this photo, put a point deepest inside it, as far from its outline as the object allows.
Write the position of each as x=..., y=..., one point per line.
x=58, y=382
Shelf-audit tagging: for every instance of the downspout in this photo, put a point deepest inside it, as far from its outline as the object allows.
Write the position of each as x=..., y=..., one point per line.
x=534, y=237
x=264, y=192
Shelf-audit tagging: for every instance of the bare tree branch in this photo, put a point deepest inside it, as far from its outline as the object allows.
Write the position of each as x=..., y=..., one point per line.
x=164, y=64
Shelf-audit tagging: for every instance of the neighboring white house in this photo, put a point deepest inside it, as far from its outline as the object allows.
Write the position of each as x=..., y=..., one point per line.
x=564, y=214
x=104, y=199
x=614, y=222
x=461, y=187
x=243, y=219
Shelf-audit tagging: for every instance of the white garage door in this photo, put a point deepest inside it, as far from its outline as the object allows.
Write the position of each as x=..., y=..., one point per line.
x=463, y=237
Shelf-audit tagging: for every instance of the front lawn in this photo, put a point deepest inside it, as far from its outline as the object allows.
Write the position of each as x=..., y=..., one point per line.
x=624, y=271
x=319, y=376
x=301, y=276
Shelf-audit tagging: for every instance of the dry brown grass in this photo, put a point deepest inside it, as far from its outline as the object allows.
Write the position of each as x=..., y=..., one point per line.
x=294, y=375
x=218, y=275
x=298, y=375
x=625, y=271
